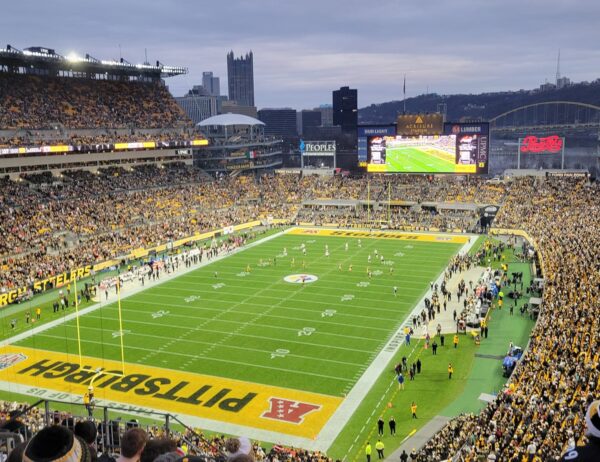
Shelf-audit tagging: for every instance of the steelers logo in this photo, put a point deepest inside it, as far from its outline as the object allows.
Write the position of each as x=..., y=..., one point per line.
x=300, y=278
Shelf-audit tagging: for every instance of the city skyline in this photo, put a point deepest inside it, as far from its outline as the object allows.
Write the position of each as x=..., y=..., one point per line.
x=304, y=51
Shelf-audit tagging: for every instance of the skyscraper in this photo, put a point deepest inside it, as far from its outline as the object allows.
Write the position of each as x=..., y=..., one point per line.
x=326, y=111
x=345, y=109
x=211, y=84
x=310, y=118
x=198, y=104
x=240, y=79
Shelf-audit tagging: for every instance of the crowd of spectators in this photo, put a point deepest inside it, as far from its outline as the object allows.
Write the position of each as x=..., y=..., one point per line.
x=396, y=217
x=33, y=102
x=112, y=440
x=95, y=142
x=416, y=188
x=50, y=224
x=541, y=413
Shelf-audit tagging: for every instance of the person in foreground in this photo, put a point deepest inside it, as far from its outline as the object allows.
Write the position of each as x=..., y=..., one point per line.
x=590, y=451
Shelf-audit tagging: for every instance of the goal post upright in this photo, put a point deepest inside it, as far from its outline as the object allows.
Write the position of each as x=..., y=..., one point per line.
x=77, y=322
x=78, y=327
x=121, y=333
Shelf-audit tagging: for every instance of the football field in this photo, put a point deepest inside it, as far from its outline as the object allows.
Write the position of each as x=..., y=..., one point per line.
x=267, y=342
x=415, y=160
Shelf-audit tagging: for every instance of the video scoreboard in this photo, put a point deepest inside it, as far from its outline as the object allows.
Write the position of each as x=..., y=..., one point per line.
x=424, y=144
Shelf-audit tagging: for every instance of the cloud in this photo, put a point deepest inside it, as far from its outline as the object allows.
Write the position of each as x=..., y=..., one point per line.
x=304, y=50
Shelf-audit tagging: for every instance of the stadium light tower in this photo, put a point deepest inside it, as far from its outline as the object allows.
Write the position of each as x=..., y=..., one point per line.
x=74, y=57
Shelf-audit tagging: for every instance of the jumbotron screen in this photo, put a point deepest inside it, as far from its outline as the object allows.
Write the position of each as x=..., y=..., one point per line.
x=456, y=152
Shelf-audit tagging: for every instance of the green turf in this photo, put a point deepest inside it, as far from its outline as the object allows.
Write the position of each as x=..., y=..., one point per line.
x=414, y=160
x=486, y=376
x=244, y=321
x=434, y=394
x=251, y=316
x=431, y=390
x=46, y=299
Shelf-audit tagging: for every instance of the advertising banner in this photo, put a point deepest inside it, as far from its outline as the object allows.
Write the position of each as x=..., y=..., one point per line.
x=420, y=124
x=366, y=131
x=318, y=148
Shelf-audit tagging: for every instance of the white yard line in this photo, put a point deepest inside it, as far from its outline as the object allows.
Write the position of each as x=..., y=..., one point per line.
x=263, y=337
x=200, y=342
x=291, y=329
x=128, y=292
x=205, y=308
x=208, y=358
x=393, y=302
x=314, y=321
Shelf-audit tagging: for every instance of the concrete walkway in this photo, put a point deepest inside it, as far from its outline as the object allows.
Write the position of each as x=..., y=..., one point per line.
x=419, y=439
x=446, y=318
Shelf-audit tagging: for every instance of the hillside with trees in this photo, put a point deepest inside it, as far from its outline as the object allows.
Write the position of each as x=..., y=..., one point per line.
x=482, y=106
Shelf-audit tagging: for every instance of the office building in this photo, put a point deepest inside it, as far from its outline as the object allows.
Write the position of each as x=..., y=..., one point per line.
x=197, y=104
x=310, y=118
x=240, y=79
x=326, y=111
x=279, y=122
x=345, y=109
x=331, y=132
x=231, y=107
x=211, y=84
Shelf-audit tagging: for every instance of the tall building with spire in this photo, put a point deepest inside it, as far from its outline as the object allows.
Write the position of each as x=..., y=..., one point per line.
x=240, y=78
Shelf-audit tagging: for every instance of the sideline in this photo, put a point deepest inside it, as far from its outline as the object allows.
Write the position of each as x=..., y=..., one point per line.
x=421, y=437
x=363, y=386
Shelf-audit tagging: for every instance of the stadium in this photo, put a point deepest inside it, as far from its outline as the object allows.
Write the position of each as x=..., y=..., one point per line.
x=170, y=279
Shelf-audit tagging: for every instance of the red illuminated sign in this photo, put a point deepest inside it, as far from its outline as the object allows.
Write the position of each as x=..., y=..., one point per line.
x=550, y=144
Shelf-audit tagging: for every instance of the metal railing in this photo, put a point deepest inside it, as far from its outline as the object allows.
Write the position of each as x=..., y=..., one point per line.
x=111, y=428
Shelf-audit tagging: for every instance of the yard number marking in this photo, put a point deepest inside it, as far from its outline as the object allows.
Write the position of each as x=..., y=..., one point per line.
x=160, y=314
x=120, y=333
x=279, y=353
x=306, y=331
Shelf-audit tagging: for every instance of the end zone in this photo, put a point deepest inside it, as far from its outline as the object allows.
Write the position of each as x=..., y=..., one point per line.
x=220, y=401
x=399, y=235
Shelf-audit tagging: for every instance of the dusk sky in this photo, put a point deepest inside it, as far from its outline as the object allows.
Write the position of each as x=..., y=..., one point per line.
x=305, y=49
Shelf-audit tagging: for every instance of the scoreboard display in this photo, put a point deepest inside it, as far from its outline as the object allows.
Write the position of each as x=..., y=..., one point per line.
x=461, y=148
